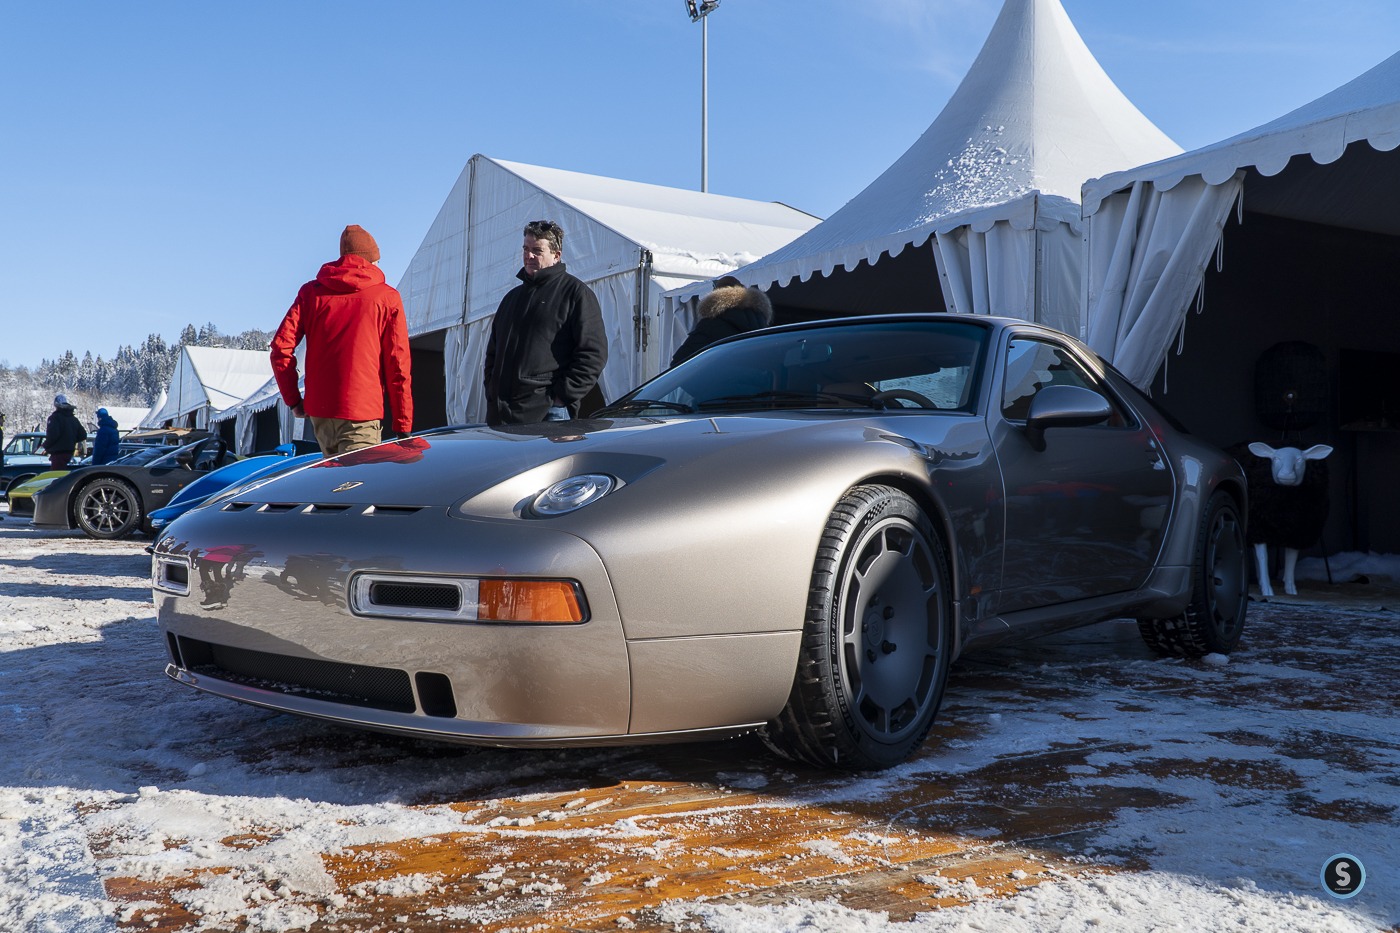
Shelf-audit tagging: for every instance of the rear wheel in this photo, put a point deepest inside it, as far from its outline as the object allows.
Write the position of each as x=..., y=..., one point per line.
x=108, y=508
x=877, y=638
x=1214, y=618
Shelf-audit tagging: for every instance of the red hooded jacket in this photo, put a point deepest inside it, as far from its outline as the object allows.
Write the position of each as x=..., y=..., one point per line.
x=356, y=346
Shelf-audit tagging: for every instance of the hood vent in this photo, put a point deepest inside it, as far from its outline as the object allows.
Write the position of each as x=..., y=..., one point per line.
x=319, y=508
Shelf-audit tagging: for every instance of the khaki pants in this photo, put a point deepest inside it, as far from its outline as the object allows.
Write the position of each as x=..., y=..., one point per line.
x=338, y=436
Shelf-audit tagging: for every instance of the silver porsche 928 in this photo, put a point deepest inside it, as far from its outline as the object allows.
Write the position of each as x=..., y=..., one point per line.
x=796, y=531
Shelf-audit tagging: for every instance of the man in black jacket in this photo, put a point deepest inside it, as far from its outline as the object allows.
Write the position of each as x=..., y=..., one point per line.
x=63, y=433
x=547, y=346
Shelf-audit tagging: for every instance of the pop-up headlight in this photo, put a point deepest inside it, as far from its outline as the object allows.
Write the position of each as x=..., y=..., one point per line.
x=571, y=494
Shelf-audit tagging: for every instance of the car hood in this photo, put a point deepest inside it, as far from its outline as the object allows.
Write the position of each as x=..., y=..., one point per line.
x=451, y=466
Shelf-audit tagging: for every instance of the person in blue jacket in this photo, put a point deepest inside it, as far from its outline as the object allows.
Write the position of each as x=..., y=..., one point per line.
x=104, y=443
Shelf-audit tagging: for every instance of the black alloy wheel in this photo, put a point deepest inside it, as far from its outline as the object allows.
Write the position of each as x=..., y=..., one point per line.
x=877, y=640
x=108, y=508
x=1214, y=618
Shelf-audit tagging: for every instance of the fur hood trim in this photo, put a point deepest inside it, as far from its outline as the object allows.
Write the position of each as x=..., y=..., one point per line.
x=736, y=296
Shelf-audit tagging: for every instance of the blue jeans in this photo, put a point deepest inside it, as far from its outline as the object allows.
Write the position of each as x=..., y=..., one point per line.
x=559, y=413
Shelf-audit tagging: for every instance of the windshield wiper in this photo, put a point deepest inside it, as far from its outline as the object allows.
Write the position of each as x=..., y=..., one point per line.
x=795, y=398
x=640, y=404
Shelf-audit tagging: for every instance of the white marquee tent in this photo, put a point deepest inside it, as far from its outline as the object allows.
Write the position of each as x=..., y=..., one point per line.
x=245, y=417
x=252, y=430
x=1152, y=230
x=128, y=419
x=629, y=241
x=207, y=380
x=993, y=182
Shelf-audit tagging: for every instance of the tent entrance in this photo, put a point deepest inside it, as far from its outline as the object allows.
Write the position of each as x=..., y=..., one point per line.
x=901, y=284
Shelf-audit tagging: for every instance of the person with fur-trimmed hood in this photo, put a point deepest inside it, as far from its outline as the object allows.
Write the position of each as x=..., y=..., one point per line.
x=724, y=312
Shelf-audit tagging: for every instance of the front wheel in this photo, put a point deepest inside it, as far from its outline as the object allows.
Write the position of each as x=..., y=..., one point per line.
x=876, y=641
x=108, y=508
x=1214, y=618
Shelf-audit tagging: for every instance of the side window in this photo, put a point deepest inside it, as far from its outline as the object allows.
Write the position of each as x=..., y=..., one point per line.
x=1031, y=365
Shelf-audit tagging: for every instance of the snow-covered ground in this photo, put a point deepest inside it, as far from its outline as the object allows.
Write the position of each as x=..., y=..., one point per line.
x=1183, y=795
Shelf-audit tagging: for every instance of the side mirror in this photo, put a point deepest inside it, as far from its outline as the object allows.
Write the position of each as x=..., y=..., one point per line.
x=185, y=459
x=1064, y=407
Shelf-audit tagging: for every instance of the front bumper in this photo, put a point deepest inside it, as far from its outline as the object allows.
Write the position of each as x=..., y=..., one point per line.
x=256, y=607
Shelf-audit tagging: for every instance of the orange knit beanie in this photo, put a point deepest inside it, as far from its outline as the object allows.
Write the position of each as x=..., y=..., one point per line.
x=355, y=241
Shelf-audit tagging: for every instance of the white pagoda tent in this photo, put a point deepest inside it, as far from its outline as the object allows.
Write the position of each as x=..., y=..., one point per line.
x=630, y=241
x=986, y=202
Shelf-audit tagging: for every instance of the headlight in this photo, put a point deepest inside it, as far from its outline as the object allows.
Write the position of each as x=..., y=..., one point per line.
x=573, y=493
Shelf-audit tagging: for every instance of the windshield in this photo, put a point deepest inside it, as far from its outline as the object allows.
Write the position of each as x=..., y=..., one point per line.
x=923, y=365
x=170, y=458
x=141, y=455
x=23, y=445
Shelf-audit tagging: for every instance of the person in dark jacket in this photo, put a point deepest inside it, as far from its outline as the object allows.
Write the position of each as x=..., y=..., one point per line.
x=106, y=441
x=63, y=434
x=356, y=350
x=724, y=312
x=547, y=346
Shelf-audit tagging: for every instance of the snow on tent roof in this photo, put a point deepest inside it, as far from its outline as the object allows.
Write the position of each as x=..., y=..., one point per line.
x=212, y=377
x=1367, y=107
x=471, y=252
x=265, y=396
x=1035, y=113
x=678, y=226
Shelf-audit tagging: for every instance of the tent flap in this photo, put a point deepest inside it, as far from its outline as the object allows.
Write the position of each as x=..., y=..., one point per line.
x=1147, y=255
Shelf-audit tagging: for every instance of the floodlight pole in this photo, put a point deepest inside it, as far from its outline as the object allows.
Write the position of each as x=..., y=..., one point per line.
x=704, y=102
x=700, y=11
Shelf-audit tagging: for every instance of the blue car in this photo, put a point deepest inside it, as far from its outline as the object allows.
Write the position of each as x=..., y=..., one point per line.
x=210, y=485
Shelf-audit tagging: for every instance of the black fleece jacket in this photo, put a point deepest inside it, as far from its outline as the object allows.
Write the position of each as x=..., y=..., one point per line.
x=547, y=343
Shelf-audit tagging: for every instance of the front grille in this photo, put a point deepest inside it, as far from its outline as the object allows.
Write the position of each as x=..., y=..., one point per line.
x=426, y=599
x=354, y=684
x=446, y=597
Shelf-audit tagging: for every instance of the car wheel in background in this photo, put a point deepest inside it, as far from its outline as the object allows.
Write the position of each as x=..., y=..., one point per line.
x=1214, y=619
x=107, y=508
x=15, y=483
x=877, y=639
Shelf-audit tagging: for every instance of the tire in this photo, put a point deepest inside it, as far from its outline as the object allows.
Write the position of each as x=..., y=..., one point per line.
x=107, y=508
x=1214, y=618
x=17, y=481
x=876, y=641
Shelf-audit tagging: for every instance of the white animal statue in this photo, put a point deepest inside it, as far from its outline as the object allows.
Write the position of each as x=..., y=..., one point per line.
x=1286, y=513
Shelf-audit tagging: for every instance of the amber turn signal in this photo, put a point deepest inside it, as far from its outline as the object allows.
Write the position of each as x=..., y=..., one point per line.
x=549, y=601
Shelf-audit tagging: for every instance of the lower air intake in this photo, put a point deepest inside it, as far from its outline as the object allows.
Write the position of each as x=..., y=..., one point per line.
x=355, y=684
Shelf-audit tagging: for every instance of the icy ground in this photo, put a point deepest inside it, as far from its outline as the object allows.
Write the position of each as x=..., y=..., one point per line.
x=1193, y=795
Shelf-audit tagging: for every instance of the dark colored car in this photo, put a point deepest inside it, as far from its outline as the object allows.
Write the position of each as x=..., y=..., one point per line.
x=795, y=531
x=24, y=458
x=113, y=500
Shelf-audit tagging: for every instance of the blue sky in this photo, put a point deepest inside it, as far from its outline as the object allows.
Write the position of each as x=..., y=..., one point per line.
x=164, y=163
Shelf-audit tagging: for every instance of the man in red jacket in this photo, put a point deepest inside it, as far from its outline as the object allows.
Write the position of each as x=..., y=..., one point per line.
x=356, y=350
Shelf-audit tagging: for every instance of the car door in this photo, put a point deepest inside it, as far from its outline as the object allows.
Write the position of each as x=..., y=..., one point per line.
x=170, y=474
x=1086, y=508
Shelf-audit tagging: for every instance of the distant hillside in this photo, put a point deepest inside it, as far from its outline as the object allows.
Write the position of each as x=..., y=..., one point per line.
x=131, y=377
